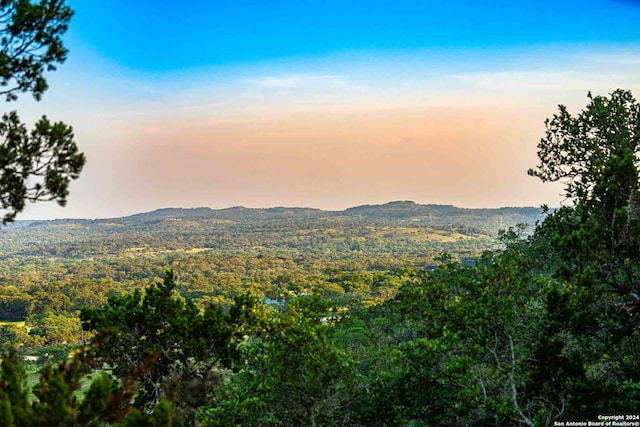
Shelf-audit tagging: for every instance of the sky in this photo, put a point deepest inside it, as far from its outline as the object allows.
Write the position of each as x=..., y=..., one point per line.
x=327, y=104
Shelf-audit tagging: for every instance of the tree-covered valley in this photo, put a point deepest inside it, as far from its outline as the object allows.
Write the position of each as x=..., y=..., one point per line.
x=218, y=254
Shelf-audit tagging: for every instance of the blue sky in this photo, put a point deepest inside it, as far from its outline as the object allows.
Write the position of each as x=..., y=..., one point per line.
x=160, y=36
x=325, y=104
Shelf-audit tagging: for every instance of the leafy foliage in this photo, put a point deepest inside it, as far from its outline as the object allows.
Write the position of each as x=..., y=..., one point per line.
x=289, y=373
x=596, y=154
x=181, y=345
x=56, y=402
x=30, y=43
x=36, y=165
x=591, y=329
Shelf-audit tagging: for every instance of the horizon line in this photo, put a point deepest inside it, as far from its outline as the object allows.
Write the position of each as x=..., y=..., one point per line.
x=279, y=207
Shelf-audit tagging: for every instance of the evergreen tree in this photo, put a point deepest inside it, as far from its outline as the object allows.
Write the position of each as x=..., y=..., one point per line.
x=35, y=165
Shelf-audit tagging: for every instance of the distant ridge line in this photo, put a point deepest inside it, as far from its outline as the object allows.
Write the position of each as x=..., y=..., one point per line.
x=392, y=210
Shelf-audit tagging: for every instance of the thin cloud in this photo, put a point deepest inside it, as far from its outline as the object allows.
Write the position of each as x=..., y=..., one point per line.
x=618, y=59
x=517, y=80
x=526, y=82
x=299, y=81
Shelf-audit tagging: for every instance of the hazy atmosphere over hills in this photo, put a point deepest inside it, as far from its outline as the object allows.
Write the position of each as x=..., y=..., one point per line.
x=325, y=105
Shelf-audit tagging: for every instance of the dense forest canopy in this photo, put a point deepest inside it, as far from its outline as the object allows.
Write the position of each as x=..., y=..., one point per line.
x=219, y=253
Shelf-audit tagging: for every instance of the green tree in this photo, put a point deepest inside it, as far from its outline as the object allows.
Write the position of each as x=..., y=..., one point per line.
x=289, y=371
x=181, y=345
x=585, y=359
x=596, y=154
x=57, y=404
x=54, y=329
x=14, y=397
x=14, y=303
x=581, y=150
x=35, y=165
x=453, y=349
x=12, y=336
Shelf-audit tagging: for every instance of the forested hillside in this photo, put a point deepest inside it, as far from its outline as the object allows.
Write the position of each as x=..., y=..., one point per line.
x=62, y=265
x=282, y=229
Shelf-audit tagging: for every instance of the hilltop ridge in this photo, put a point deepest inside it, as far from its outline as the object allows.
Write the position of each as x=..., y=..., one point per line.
x=395, y=210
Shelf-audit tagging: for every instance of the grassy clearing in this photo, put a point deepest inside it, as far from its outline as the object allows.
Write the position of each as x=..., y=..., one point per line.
x=19, y=324
x=34, y=368
x=134, y=252
x=33, y=377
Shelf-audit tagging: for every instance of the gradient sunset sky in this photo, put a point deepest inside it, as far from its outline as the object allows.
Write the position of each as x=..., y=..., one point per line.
x=326, y=104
